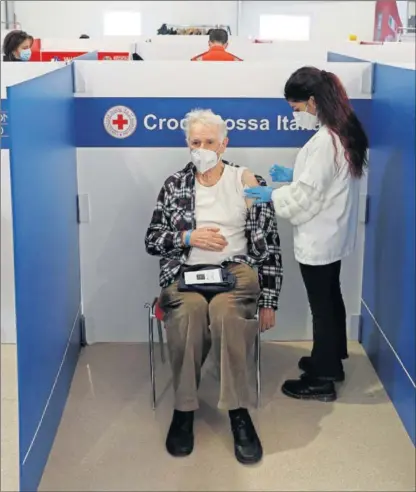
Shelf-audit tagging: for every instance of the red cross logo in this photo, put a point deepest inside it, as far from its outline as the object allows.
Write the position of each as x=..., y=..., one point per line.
x=120, y=122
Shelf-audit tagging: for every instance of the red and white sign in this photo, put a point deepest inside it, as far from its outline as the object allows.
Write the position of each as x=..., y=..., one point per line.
x=113, y=55
x=120, y=122
x=60, y=55
x=387, y=21
x=70, y=55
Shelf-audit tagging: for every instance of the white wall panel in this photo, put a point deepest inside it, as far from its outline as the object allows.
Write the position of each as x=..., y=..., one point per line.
x=189, y=79
x=118, y=276
x=70, y=19
x=330, y=20
x=396, y=53
x=8, y=315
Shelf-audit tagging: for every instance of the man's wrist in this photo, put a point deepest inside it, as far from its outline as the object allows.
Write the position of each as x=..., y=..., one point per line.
x=186, y=238
x=268, y=302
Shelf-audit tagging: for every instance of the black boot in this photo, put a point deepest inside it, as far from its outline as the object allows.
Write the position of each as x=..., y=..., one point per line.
x=247, y=445
x=305, y=365
x=309, y=388
x=180, y=439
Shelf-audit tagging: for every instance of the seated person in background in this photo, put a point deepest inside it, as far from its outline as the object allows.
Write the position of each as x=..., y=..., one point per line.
x=202, y=218
x=16, y=46
x=218, y=43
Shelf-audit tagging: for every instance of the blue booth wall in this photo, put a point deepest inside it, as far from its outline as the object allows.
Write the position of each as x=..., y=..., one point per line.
x=46, y=252
x=388, y=312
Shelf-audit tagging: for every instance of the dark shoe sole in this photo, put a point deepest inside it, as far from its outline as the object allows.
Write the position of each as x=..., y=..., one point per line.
x=323, y=398
x=245, y=461
x=180, y=454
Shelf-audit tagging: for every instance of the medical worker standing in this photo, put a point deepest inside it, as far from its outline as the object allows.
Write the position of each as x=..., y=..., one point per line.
x=322, y=203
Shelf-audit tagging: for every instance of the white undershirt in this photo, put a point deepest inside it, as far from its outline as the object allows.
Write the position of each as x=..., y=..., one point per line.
x=224, y=206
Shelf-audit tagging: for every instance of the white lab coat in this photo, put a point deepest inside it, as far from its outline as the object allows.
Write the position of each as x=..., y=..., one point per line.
x=322, y=202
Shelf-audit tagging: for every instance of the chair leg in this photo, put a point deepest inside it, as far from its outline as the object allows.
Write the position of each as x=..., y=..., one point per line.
x=152, y=360
x=258, y=366
x=160, y=334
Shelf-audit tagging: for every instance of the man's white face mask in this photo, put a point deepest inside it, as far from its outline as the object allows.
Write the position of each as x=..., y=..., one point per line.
x=204, y=159
x=305, y=120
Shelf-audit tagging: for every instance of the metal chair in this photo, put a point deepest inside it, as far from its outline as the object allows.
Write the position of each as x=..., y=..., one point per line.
x=156, y=314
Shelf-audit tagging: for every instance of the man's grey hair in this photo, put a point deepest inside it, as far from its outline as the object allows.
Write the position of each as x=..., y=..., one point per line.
x=205, y=117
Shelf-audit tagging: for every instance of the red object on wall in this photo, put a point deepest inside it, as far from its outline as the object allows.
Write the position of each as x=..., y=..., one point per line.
x=387, y=21
x=60, y=55
x=35, y=57
x=113, y=55
x=70, y=55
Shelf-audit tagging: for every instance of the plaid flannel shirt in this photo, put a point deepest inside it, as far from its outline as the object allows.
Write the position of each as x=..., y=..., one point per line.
x=175, y=213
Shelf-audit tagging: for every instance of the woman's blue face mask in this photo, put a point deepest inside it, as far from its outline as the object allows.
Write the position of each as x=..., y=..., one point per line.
x=25, y=54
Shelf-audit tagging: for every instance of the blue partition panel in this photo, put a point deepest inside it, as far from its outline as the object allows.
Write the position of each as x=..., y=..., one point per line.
x=46, y=253
x=389, y=263
x=338, y=58
x=93, y=55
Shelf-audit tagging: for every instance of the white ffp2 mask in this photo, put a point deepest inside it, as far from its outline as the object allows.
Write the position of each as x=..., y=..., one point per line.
x=305, y=120
x=204, y=159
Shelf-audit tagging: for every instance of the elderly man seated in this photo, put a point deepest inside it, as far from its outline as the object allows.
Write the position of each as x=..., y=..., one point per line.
x=202, y=218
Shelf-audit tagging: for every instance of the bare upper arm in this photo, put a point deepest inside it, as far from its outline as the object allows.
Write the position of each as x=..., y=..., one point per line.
x=248, y=179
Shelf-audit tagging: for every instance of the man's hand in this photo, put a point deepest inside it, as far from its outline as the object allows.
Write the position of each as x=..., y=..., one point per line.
x=207, y=238
x=267, y=318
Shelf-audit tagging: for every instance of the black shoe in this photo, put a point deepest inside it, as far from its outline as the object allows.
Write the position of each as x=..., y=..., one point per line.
x=305, y=365
x=308, y=388
x=247, y=446
x=180, y=440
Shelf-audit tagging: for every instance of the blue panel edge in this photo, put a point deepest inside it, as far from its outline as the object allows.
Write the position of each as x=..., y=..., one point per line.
x=397, y=384
x=92, y=55
x=32, y=470
x=339, y=58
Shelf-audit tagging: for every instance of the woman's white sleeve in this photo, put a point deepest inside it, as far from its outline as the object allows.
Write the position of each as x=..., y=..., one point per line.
x=297, y=202
x=300, y=201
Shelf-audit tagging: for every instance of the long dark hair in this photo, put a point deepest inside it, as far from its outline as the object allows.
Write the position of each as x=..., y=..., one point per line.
x=12, y=41
x=334, y=111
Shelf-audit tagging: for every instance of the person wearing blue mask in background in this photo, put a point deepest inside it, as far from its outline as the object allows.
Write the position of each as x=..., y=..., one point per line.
x=321, y=202
x=17, y=46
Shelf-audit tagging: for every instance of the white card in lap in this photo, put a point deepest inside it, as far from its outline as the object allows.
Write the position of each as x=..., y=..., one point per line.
x=213, y=276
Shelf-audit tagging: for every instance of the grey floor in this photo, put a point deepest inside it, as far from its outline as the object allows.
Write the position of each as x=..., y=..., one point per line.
x=111, y=440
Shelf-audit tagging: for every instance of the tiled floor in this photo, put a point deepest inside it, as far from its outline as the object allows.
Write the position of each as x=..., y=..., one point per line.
x=9, y=420
x=110, y=439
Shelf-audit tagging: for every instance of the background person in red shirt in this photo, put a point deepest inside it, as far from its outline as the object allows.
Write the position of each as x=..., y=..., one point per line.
x=218, y=43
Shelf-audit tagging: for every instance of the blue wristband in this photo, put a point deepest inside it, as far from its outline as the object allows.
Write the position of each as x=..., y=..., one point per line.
x=187, y=239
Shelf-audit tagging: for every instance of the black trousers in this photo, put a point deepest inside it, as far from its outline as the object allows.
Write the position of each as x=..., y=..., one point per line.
x=323, y=287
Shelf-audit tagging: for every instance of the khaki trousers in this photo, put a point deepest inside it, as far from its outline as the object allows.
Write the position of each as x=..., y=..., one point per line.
x=226, y=324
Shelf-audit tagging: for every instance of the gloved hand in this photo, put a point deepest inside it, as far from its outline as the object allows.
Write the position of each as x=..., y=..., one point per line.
x=281, y=174
x=260, y=194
